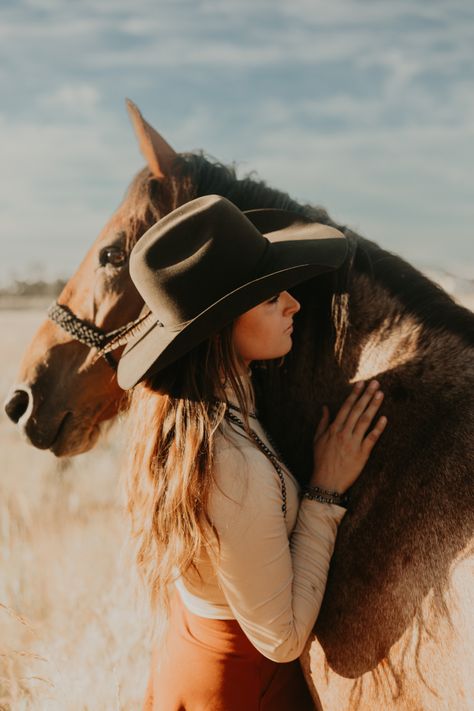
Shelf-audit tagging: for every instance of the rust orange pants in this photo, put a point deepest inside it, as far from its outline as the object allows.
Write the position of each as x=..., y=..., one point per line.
x=210, y=665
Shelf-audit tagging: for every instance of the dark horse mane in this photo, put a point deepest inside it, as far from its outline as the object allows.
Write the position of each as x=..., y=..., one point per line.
x=196, y=174
x=415, y=488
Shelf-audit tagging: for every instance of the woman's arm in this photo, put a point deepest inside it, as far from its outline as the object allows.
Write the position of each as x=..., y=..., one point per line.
x=275, y=586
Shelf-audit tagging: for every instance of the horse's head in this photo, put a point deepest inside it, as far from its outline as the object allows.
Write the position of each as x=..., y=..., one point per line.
x=62, y=394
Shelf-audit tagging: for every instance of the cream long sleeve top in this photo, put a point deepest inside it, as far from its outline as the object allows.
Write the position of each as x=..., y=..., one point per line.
x=270, y=572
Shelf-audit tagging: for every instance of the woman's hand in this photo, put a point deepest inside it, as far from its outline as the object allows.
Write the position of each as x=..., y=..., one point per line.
x=342, y=448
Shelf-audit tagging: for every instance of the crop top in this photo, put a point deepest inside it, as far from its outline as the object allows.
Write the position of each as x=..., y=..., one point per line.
x=270, y=572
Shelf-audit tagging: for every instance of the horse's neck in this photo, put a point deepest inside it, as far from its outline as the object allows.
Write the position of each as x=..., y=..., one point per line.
x=398, y=597
x=411, y=517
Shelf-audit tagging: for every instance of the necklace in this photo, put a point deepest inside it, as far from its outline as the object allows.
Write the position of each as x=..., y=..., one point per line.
x=263, y=448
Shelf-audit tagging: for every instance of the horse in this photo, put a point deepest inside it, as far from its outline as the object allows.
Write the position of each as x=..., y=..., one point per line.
x=395, y=627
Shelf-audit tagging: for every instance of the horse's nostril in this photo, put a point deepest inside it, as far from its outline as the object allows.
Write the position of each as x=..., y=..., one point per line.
x=17, y=405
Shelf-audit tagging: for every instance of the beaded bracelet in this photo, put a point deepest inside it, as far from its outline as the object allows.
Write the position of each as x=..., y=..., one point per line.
x=324, y=492
x=325, y=496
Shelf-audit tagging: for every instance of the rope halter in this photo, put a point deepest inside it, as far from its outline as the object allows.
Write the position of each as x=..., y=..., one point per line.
x=91, y=335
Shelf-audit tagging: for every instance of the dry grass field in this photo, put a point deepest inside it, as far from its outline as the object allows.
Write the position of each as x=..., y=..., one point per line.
x=72, y=637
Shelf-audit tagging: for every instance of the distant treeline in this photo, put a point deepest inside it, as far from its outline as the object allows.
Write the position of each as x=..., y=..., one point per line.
x=20, y=287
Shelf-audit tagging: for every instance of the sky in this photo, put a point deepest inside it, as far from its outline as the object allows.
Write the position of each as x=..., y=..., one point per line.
x=365, y=107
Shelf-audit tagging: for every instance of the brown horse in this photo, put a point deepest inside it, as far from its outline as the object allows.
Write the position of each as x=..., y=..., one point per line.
x=395, y=625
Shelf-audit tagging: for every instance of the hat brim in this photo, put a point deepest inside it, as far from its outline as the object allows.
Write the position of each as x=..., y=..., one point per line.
x=158, y=346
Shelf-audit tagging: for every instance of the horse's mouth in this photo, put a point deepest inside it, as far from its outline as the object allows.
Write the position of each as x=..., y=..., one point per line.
x=65, y=429
x=71, y=439
x=40, y=436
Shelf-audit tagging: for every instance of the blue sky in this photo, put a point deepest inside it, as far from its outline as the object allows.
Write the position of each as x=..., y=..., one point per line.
x=363, y=106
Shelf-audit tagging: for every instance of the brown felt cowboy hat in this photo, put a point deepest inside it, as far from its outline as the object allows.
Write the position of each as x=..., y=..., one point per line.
x=206, y=263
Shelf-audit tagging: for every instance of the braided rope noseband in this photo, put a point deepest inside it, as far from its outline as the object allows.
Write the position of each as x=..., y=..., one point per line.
x=91, y=335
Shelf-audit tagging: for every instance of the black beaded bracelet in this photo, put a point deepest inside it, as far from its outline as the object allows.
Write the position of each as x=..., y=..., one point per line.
x=324, y=492
x=326, y=497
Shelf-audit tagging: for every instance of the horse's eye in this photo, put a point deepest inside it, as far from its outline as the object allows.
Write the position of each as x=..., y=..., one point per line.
x=115, y=256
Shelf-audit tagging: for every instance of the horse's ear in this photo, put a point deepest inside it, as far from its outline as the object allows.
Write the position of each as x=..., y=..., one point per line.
x=158, y=154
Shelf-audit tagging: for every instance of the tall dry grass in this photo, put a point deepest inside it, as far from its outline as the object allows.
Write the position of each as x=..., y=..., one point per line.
x=71, y=634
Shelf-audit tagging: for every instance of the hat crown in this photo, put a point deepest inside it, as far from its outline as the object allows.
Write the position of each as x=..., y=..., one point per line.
x=194, y=256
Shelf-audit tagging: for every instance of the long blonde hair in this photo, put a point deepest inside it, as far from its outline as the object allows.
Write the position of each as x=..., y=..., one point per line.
x=174, y=416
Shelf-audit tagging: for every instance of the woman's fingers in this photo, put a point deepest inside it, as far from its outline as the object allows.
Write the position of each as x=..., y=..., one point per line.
x=360, y=405
x=374, y=434
x=341, y=449
x=366, y=417
x=341, y=417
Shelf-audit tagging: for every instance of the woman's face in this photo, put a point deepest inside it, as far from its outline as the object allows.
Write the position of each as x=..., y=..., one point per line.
x=264, y=332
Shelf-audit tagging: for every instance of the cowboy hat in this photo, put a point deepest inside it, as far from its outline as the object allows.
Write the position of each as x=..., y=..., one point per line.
x=206, y=263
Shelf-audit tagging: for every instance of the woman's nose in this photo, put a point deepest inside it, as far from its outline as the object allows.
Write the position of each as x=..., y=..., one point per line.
x=292, y=305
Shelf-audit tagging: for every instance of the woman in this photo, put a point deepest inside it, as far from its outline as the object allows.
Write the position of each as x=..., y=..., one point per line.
x=234, y=555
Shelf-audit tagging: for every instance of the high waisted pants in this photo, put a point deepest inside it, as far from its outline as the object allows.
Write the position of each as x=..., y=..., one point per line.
x=210, y=665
